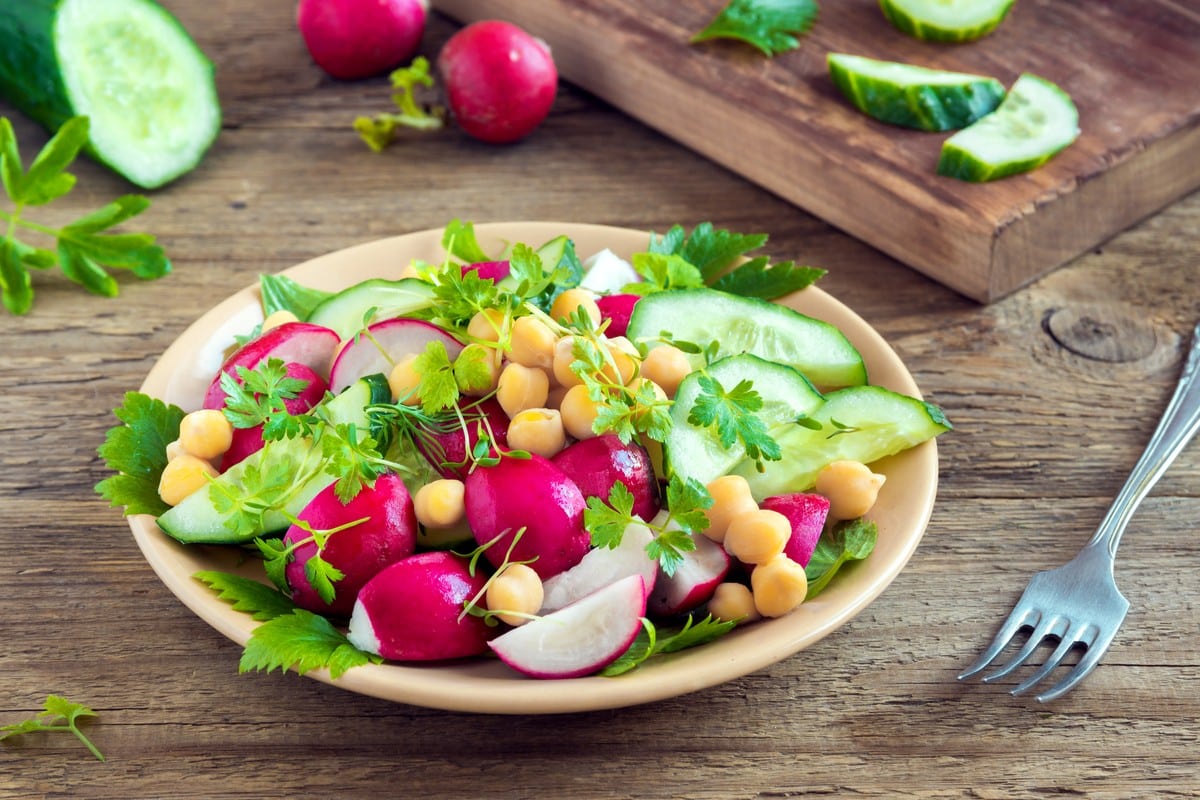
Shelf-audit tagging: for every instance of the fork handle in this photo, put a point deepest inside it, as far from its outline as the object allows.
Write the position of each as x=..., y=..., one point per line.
x=1179, y=423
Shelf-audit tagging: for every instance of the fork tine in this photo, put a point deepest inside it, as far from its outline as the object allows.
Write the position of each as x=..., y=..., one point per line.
x=1019, y=618
x=1046, y=627
x=1052, y=661
x=1086, y=664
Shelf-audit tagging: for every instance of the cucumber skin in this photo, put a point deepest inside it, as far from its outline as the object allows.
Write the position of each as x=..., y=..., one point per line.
x=933, y=33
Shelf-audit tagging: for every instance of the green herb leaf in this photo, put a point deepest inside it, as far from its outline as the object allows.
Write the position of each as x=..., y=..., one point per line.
x=849, y=540
x=606, y=522
x=379, y=131
x=458, y=239
x=732, y=415
x=662, y=273
x=281, y=293
x=709, y=249
x=651, y=642
x=769, y=25
x=137, y=451
x=301, y=641
x=259, y=396
x=758, y=278
x=438, y=388
x=58, y=714
x=256, y=599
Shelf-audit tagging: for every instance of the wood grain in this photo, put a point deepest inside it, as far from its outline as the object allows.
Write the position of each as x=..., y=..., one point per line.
x=1132, y=68
x=1045, y=433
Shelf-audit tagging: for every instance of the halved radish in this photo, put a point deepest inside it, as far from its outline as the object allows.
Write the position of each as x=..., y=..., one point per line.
x=489, y=270
x=382, y=345
x=601, y=567
x=693, y=581
x=580, y=639
x=298, y=342
x=249, y=440
x=597, y=464
x=617, y=308
x=806, y=511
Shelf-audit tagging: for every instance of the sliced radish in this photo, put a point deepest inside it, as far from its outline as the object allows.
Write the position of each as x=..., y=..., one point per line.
x=249, y=440
x=806, y=512
x=488, y=270
x=693, y=581
x=293, y=342
x=617, y=308
x=600, y=567
x=382, y=345
x=580, y=639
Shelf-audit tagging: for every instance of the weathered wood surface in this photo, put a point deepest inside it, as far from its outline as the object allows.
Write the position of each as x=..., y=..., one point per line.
x=1132, y=67
x=1054, y=390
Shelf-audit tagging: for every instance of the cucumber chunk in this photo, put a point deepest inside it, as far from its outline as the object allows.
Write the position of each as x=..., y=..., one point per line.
x=695, y=452
x=1036, y=121
x=747, y=325
x=197, y=519
x=946, y=20
x=860, y=423
x=128, y=65
x=912, y=96
x=346, y=312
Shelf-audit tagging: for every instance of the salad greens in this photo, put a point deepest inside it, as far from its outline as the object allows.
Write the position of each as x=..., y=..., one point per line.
x=136, y=451
x=379, y=131
x=769, y=25
x=58, y=715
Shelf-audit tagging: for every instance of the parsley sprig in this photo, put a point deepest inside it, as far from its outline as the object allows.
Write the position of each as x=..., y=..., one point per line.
x=136, y=450
x=651, y=641
x=771, y=26
x=58, y=715
x=321, y=574
x=732, y=416
x=83, y=248
x=379, y=131
x=259, y=397
x=673, y=532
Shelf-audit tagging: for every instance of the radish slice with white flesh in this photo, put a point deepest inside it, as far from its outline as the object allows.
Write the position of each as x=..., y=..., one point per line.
x=693, y=582
x=600, y=567
x=383, y=344
x=292, y=342
x=580, y=639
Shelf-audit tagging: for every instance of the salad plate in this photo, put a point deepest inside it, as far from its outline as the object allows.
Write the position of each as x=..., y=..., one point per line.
x=485, y=685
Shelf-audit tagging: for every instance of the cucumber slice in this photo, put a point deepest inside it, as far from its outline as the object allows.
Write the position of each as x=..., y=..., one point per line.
x=197, y=521
x=346, y=311
x=695, y=452
x=1036, y=120
x=747, y=325
x=946, y=20
x=861, y=423
x=912, y=96
x=128, y=65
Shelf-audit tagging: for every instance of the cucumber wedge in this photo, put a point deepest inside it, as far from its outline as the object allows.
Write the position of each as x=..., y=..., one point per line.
x=128, y=65
x=346, y=311
x=912, y=96
x=946, y=20
x=197, y=519
x=861, y=423
x=1036, y=121
x=748, y=325
x=696, y=452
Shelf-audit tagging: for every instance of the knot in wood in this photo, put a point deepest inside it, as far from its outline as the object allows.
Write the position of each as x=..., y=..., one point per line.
x=1102, y=333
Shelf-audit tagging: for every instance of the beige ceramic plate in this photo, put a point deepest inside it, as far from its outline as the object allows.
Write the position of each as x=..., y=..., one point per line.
x=485, y=685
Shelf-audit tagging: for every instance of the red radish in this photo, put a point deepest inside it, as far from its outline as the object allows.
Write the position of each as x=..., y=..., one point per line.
x=413, y=610
x=382, y=345
x=616, y=308
x=499, y=81
x=358, y=552
x=580, y=639
x=596, y=465
x=488, y=270
x=249, y=440
x=447, y=450
x=352, y=39
x=299, y=342
x=693, y=581
x=600, y=567
x=807, y=513
x=534, y=495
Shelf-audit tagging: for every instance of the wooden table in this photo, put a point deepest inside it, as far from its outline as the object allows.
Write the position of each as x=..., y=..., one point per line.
x=1053, y=392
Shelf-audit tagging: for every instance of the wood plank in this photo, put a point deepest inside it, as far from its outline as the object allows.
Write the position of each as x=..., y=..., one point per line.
x=1132, y=67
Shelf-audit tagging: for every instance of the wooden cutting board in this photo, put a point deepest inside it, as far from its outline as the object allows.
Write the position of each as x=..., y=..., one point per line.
x=1132, y=67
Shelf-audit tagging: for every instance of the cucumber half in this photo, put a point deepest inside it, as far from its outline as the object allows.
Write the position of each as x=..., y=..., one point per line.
x=912, y=96
x=946, y=20
x=128, y=65
x=1036, y=121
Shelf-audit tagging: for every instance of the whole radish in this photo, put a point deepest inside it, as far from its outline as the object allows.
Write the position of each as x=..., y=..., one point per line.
x=353, y=39
x=499, y=81
x=596, y=464
x=447, y=450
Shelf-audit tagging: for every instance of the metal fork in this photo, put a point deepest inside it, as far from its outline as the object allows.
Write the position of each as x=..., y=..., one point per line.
x=1079, y=603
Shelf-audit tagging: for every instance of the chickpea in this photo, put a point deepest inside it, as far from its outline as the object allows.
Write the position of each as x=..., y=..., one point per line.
x=183, y=476
x=205, y=433
x=175, y=450
x=731, y=496
x=733, y=602
x=579, y=412
x=564, y=356
x=465, y=375
x=487, y=325
x=565, y=304
x=538, y=430
x=410, y=271
x=623, y=360
x=532, y=343
x=756, y=537
x=439, y=504
x=516, y=589
x=404, y=380
x=520, y=388
x=667, y=366
x=277, y=318
x=779, y=586
x=851, y=486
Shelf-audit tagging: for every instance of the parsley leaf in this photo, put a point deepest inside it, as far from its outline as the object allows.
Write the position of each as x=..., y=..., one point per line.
x=769, y=25
x=58, y=714
x=259, y=397
x=82, y=249
x=379, y=131
x=607, y=522
x=458, y=238
x=758, y=278
x=849, y=540
x=732, y=414
x=709, y=249
x=281, y=293
x=663, y=272
x=137, y=451
x=438, y=388
x=652, y=642
x=256, y=599
x=301, y=641
x=473, y=369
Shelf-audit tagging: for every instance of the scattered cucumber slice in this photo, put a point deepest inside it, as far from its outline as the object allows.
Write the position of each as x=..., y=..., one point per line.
x=747, y=325
x=346, y=312
x=946, y=20
x=695, y=452
x=861, y=423
x=198, y=521
x=1036, y=120
x=128, y=65
x=912, y=96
